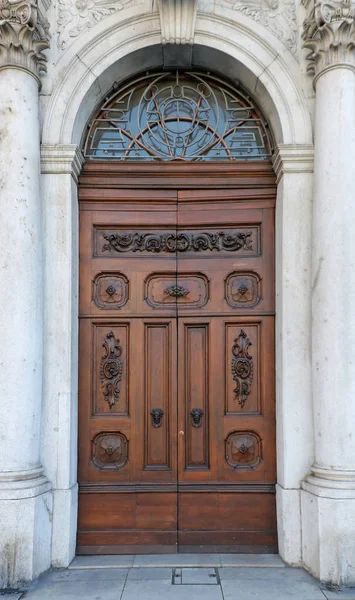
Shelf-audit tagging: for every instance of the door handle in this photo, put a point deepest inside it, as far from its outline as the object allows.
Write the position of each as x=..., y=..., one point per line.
x=157, y=416
x=196, y=417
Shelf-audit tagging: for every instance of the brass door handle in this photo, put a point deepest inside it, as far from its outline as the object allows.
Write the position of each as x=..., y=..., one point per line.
x=196, y=417
x=181, y=432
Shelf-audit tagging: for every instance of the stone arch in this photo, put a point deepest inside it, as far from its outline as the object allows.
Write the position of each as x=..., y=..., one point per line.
x=252, y=57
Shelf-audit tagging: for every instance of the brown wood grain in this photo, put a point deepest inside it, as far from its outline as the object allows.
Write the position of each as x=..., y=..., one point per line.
x=170, y=320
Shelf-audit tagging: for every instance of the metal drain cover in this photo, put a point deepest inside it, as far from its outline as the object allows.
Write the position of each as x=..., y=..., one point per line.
x=195, y=576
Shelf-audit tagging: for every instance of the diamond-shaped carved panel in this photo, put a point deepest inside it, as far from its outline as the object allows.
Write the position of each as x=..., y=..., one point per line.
x=110, y=290
x=109, y=451
x=243, y=449
x=243, y=290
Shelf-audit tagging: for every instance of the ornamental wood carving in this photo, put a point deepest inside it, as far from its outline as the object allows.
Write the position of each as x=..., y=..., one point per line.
x=109, y=451
x=242, y=290
x=181, y=242
x=242, y=368
x=111, y=369
x=243, y=449
x=110, y=290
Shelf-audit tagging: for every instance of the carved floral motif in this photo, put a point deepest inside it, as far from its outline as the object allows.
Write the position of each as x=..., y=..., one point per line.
x=76, y=16
x=243, y=449
x=278, y=15
x=181, y=242
x=242, y=368
x=329, y=34
x=177, y=291
x=24, y=34
x=242, y=290
x=110, y=290
x=109, y=451
x=111, y=369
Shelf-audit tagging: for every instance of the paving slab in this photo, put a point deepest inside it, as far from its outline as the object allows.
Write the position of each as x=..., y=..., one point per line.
x=55, y=590
x=199, y=576
x=104, y=561
x=177, y=560
x=159, y=590
x=283, y=575
x=251, y=560
x=87, y=575
x=148, y=574
x=265, y=587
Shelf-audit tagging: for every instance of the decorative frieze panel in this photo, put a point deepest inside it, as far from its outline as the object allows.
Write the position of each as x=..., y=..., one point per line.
x=109, y=451
x=243, y=449
x=77, y=16
x=242, y=290
x=277, y=15
x=24, y=34
x=166, y=290
x=329, y=34
x=110, y=290
x=243, y=241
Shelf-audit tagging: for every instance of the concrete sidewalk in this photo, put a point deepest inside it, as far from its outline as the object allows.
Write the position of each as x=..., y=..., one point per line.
x=179, y=577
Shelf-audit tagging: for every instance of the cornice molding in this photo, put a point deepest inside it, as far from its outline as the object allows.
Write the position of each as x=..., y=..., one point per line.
x=24, y=34
x=291, y=158
x=177, y=21
x=329, y=34
x=61, y=159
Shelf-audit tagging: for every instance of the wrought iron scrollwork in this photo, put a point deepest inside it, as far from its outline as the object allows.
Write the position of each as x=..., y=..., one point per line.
x=196, y=417
x=178, y=116
x=157, y=417
x=242, y=368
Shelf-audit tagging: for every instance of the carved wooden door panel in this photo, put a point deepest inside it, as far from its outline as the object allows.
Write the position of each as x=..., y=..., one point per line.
x=226, y=418
x=128, y=372
x=176, y=361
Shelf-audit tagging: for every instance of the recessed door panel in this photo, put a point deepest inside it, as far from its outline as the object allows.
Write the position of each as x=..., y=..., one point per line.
x=176, y=378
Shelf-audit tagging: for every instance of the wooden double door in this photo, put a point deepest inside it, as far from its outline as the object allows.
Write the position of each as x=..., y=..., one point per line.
x=176, y=378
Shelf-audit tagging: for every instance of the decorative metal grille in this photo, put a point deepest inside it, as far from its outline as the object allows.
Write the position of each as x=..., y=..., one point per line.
x=178, y=116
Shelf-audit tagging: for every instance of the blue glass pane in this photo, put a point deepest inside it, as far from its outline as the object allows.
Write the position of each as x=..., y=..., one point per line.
x=189, y=116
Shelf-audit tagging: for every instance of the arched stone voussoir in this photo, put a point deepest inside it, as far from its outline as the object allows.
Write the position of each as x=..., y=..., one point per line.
x=233, y=50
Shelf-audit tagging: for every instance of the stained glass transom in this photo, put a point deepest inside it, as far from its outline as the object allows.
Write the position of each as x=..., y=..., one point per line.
x=178, y=116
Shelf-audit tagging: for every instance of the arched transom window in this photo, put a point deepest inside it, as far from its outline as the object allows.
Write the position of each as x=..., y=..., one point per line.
x=178, y=116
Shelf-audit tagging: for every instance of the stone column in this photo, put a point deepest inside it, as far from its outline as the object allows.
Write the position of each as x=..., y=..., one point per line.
x=328, y=503
x=25, y=500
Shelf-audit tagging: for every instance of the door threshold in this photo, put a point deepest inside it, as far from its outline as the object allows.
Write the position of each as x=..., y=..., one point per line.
x=138, y=561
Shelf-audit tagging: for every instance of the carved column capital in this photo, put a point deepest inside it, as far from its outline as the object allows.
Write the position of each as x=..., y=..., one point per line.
x=329, y=34
x=177, y=19
x=23, y=36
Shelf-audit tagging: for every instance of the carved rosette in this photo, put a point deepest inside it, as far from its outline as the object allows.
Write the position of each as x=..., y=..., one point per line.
x=243, y=449
x=329, y=34
x=111, y=369
x=242, y=368
x=23, y=36
x=109, y=451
